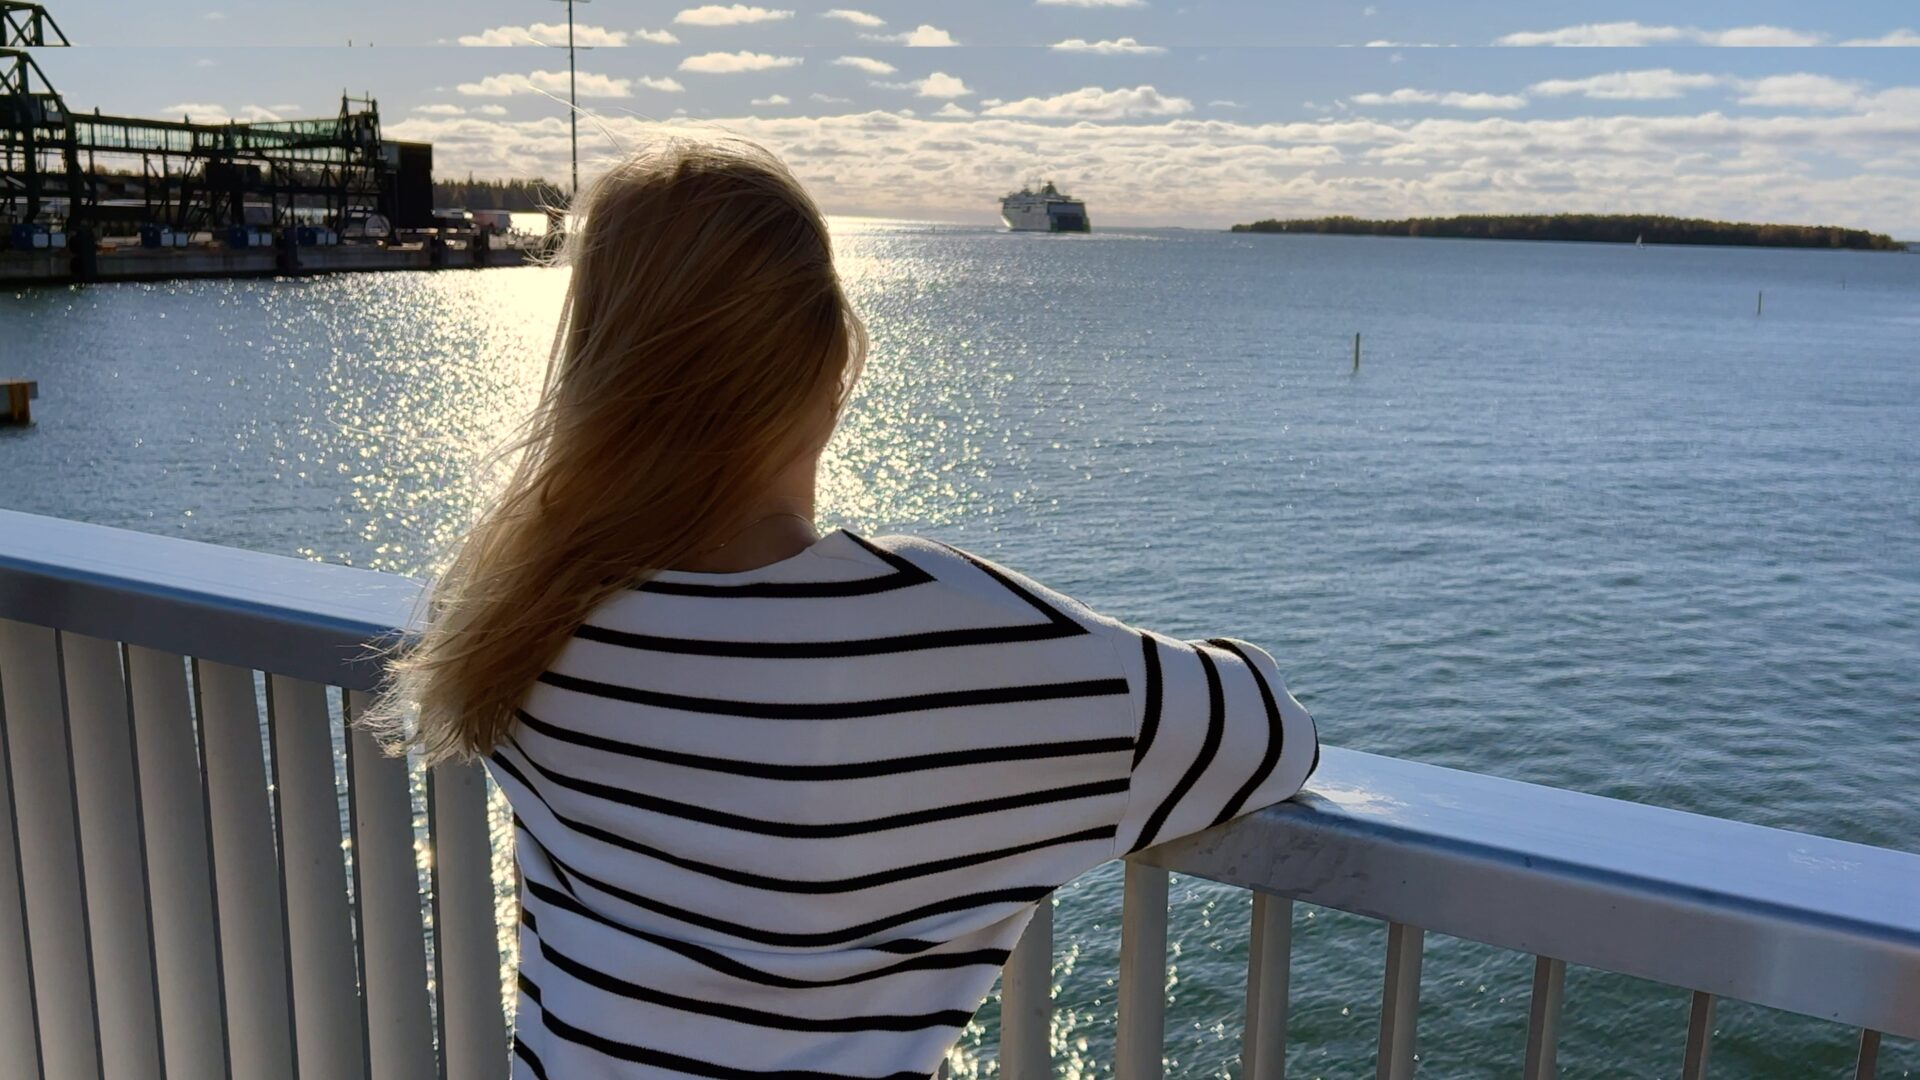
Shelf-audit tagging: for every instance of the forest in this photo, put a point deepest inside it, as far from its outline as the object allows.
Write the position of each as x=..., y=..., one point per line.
x=470, y=194
x=1595, y=228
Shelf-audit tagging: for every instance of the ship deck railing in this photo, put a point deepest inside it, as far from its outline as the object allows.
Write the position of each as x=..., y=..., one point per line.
x=205, y=872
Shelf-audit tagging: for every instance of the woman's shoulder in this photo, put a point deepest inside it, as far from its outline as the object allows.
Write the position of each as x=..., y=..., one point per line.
x=985, y=579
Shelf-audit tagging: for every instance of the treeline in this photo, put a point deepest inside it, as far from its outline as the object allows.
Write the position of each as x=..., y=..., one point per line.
x=471, y=194
x=1597, y=228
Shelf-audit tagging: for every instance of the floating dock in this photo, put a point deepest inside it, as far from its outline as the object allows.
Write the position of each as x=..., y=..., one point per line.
x=132, y=263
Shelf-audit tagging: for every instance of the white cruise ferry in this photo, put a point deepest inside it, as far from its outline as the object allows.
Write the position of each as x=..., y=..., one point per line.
x=1045, y=210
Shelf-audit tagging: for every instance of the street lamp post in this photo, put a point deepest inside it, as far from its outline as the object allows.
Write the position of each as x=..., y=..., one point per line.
x=573, y=100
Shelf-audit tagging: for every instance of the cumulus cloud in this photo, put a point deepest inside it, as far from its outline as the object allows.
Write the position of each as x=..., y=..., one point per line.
x=656, y=37
x=492, y=110
x=1116, y=47
x=1094, y=103
x=1628, y=34
x=729, y=63
x=1902, y=38
x=440, y=109
x=867, y=64
x=920, y=37
x=953, y=110
x=1650, y=85
x=729, y=15
x=206, y=113
x=1803, y=91
x=587, y=84
x=546, y=34
x=828, y=99
x=665, y=84
x=1453, y=99
x=941, y=85
x=857, y=18
x=775, y=99
x=1856, y=168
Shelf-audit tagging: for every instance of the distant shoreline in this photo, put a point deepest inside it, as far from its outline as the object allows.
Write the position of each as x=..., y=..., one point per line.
x=1592, y=228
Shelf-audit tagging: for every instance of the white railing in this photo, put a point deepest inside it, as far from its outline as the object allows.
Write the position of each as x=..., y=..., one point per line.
x=205, y=873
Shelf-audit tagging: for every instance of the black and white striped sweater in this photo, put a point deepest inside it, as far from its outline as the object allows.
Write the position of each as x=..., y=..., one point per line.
x=790, y=822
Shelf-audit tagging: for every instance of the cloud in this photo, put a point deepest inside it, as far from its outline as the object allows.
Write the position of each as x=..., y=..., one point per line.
x=867, y=64
x=920, y=37
x=1451, y=99
x=1802, y=91
x=1116, y=47
x=1629, y=34
x=215, y=16
x=657, y=37
x=204, y=113
x=857, y=18
x=587, y=84
x=729, y=15
x=941, y=85
x=1093, y=3
x=440, y=109
x=666, y=84
x=1094, y=103
x=776, y=99
x=828, y=99
x=725, y=63
x=546, y=34
x=1651, y=85
x=492, y=110
x=1902, y=38
x=954, y=110
x=1858, y=167
x=1223, y=103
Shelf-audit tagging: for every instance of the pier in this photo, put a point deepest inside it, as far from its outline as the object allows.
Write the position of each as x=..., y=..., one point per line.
x=166, y=659
x=90, y=197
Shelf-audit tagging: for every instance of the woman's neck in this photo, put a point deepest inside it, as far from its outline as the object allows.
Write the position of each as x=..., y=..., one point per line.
x=778, y=525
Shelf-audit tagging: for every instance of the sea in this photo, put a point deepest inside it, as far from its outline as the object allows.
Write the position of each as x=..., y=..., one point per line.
x=1641, y=522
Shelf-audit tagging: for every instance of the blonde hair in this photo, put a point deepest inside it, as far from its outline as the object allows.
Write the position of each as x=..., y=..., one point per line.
x=704, y=326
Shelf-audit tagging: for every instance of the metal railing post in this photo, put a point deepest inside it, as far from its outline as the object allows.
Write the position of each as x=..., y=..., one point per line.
x=1140, y=1045
x=1026, y=1002
x=1400, y=1002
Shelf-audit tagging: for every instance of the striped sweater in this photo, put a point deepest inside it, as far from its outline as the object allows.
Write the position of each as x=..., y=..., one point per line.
x=790, y=822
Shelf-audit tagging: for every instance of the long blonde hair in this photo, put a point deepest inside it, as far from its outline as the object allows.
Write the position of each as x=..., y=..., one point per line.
x=704, y=325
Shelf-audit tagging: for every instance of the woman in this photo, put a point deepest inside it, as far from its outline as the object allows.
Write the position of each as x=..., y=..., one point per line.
x=783, y=801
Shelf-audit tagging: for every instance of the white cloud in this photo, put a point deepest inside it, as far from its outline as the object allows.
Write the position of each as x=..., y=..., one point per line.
x=492, y=110
x=1852, y=168
x=657, y=37
x=920, y=37
x=587, y=84
x=725, y=63
x=1802, y=91
x=867, y=64
x=1094, y=103
x=1629, y=34
x=1223, y=103
x=1651, y=85
x=215, y=16
x=440, y=109
x=1454, y=99
x=941, y=85
x=545, y=34
x=828, y=99
x=1116, y=47
x=954, y=110
x=857, y=18
x=1093, y=3
x=205, y=113
x=776, y=99
x=666, y=84
x=1902, y=38
x=729, y=15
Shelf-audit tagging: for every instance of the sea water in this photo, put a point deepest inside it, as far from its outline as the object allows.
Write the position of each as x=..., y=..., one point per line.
x=1583, y=516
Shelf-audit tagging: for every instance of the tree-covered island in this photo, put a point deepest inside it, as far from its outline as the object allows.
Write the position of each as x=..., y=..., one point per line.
x=1593, y=228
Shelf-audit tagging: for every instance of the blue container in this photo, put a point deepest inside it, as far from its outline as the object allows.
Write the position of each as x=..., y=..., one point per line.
x=150, y=236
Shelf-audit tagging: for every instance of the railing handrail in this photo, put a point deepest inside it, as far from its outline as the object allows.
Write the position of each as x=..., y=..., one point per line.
x=1547, y=871
x=310, y=620
x=1794, y=921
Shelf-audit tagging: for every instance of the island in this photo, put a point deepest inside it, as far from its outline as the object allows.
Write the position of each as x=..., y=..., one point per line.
x=1592, y=228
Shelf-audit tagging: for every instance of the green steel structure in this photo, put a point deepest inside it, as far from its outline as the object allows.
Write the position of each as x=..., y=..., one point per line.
x=105, y=175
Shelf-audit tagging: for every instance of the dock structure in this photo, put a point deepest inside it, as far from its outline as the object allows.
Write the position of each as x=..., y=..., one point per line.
x=92, y=197
x=16, y=396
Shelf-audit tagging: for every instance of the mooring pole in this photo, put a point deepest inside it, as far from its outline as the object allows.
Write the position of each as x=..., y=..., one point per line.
x=573, y=104
x=1356, y=352
x=1760, y=305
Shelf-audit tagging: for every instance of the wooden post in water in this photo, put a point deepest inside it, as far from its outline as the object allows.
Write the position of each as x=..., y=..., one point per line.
x=1356, y=352
x=1760, y=306
x=15, y=394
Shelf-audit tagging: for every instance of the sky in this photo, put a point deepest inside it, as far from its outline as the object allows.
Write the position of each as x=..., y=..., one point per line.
x=1157, y=112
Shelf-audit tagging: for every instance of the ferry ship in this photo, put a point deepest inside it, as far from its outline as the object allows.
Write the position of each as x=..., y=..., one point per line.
x=1046, y=210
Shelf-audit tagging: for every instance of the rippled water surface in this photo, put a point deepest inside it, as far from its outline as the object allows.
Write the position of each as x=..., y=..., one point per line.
x=1581, y=518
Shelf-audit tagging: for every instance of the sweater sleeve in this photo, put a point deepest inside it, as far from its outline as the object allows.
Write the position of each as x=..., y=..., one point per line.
x=1217, y=736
